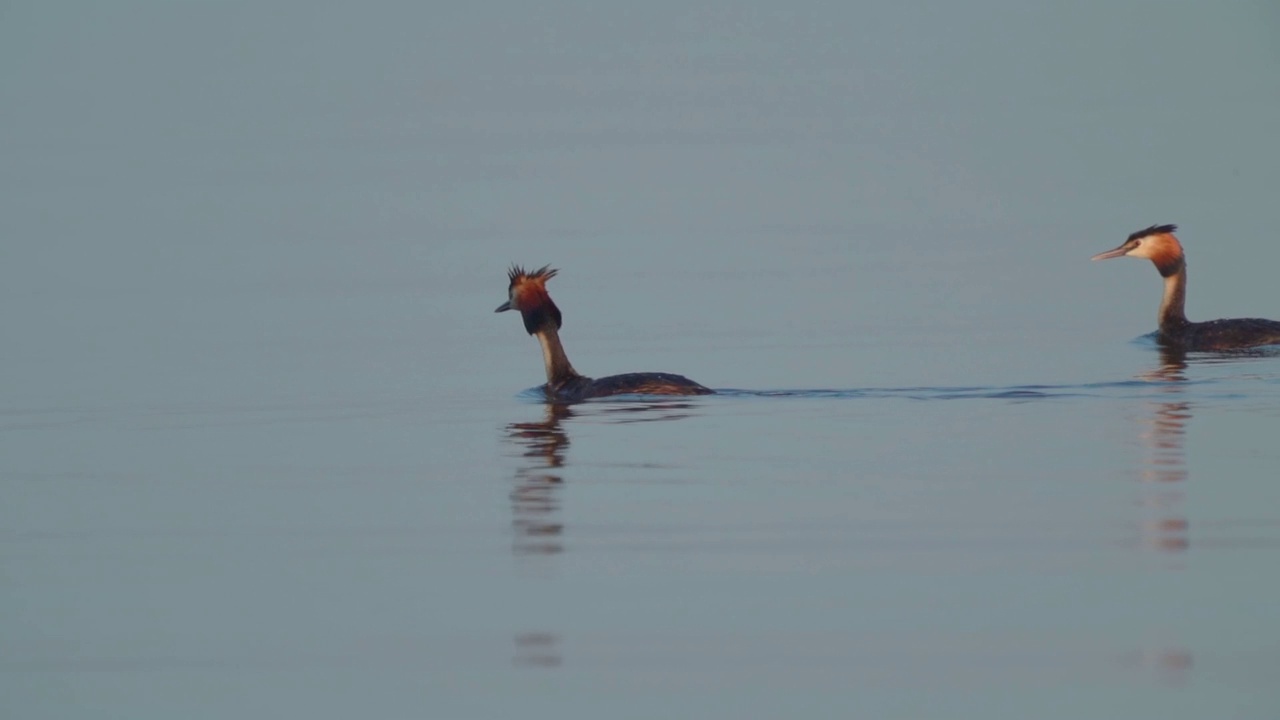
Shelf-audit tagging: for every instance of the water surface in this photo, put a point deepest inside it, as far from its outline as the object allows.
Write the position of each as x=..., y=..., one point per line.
x=265, y=450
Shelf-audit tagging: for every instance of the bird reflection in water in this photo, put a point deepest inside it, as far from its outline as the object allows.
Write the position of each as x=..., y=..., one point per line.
x=538, y=649
x=535, y=515
x=1164, y=526
x=1170, y=665
x=535, y=499
x=1164, y=436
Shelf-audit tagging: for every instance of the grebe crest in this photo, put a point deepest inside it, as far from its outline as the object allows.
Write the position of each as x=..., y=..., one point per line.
x=527, y=293
x=1159, y=245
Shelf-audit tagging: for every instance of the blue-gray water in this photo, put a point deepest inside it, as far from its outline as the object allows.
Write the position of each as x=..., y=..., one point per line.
x=266, y=451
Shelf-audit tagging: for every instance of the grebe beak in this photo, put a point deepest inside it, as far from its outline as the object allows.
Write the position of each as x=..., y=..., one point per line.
x=1118, y=252
x=504, y=307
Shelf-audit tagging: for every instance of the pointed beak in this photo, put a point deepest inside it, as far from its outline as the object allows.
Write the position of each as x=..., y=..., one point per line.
x=1118, y=252
x=504, y=307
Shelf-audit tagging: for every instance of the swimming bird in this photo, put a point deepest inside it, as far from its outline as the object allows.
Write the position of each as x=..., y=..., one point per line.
x=1159, y=245
x=527, y=293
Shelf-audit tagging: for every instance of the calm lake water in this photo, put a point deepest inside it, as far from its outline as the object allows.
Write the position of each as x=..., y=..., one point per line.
x=266, y=450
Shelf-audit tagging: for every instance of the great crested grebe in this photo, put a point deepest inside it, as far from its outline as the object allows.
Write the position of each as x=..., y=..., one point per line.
x=528, y=294
x=1158, y=244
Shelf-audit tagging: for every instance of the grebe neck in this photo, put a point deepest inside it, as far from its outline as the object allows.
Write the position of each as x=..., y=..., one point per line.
x=1173, y=315
x=559, y=370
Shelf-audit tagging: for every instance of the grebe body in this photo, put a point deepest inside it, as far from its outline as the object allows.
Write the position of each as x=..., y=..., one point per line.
x=527, y=293
x=1159, y=245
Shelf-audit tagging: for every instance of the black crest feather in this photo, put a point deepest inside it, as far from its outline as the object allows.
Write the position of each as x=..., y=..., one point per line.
x=1153, y=230
x=517, y=273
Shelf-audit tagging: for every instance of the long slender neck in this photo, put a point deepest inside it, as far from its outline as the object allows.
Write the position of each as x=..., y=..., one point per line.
x=1173, y=306
x=558, y=368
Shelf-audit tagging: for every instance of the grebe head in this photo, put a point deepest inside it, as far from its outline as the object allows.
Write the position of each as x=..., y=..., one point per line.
x=528, y=294
x=1156, y=243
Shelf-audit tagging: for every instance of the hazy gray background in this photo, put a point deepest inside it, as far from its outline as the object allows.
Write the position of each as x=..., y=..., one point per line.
x=949, y=165
x=262, y=447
